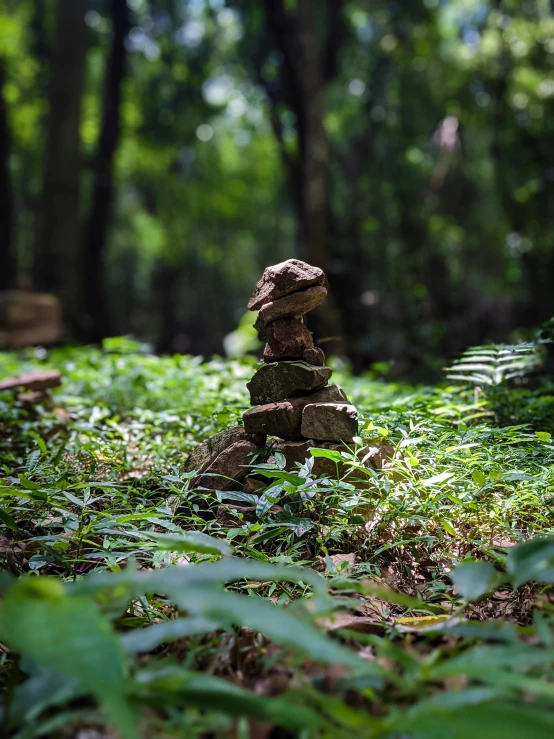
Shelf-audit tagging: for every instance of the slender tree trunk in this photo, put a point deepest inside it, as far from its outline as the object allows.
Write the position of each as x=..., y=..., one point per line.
x=314, y=142
x=57, y=263
x=309, y=39
x=96, y=236
x=165, y=283
x=7, y=255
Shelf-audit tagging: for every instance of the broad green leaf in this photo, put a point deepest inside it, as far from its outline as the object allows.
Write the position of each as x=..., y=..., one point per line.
x=69, y=636
x=190, y=541
x=276, y=622
x=479, y=478
x=392, y=596
x=437, y=479
x=474, y=579
x=173, y=684
x=170, y=578
x=145, y=640
x=531, y=560
x=331, y=454
x=240, y=497
x=39, y=692
x=480, y=661
x=543, y=435
x=8, y=521
x=493, y=720
x=456, y=699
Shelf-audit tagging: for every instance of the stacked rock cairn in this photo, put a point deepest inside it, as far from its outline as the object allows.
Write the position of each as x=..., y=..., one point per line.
x=290, y=395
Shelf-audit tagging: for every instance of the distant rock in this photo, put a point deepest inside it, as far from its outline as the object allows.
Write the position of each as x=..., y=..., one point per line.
x=281, y=380
x=295, y=305
x=28, y=319
x=284, y=278
x=329, y=422
x=284, y=419
x=34, y=381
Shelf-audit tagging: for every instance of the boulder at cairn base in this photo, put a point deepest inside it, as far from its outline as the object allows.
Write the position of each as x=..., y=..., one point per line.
x=229, y=467
x=287, y=338
x=284, y=419
x=208, y=450
x=330, y=422
x=283, y=279
x=295, y=305
x=281, y=380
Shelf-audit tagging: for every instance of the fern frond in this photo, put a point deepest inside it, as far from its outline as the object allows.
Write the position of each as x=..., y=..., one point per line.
x=495, y=364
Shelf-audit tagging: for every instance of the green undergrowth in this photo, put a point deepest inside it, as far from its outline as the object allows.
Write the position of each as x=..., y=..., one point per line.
x=135, y=603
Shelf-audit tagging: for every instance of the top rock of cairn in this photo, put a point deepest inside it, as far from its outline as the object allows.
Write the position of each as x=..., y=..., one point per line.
x=283, y=279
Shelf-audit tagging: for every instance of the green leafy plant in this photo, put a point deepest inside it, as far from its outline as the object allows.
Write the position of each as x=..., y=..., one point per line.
x=493, y=365
x=199, y=605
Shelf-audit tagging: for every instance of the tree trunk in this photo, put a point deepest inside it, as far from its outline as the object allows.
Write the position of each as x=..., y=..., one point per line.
x=57, y=263
x=165, y=283
x=309, y=62
x=7, y=255
x=96, y=236
x=314, y=143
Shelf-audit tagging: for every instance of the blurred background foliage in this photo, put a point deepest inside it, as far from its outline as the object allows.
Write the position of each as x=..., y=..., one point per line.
x=156, y=155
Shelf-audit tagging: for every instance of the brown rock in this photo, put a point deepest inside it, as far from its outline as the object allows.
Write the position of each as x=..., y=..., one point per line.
x=297, y=452
x=377, y=453
x=28, y=318
x=283, y=279
x=254, y=485
x=34, y=381
x=228, y=468
x=231, y=514
x=208, y=450
x=32, y=398
x=283, y=380
x=284, y=419
x=287, y=338
x=374, y=456
x=295, y=305
x=278, y=419
x=330, y=421
x=314, y=355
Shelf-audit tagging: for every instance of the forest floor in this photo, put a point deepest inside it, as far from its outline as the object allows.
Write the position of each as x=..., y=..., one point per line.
x=170, y=613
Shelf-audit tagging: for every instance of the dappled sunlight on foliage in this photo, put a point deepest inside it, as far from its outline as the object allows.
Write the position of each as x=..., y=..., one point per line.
x=96, y=495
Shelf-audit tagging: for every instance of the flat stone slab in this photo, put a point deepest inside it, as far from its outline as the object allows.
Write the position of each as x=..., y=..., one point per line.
x=295, y=305
x=284, y=419
x=282, y=380
x=283, y=279
x=330, y=422
x=34, y=381
x=287, y=338
x=208, y=450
